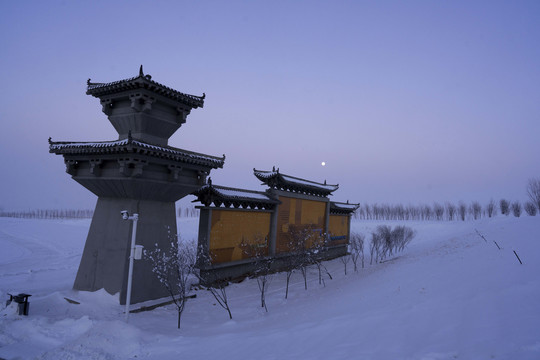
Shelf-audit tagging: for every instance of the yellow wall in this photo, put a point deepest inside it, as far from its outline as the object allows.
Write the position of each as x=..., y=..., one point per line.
x=299, y=213
x=338, y=229
x=230, y=228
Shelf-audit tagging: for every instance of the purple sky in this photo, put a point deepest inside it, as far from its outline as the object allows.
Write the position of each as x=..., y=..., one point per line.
x=406, y=102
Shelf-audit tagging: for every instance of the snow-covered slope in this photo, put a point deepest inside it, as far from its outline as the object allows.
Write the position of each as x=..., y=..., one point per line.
x=450, y=295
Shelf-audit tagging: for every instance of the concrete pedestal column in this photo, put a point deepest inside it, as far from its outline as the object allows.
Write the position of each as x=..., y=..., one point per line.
x=105, y=259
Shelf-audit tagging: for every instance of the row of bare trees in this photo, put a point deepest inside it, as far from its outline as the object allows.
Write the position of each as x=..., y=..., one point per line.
x=188, y=211
x=49, y=214
x=451, y=211
x=439, y=212
x=176, y=267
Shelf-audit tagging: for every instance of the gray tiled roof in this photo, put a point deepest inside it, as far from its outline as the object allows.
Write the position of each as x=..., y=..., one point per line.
x=143, y=82
x=134, y=146
x=275, y=179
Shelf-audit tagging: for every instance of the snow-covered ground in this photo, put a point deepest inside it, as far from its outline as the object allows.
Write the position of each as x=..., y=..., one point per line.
x=450, y=295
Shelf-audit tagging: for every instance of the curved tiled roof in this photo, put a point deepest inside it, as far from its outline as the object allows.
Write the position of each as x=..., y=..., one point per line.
x=136, y=147
x=143, y=82
x=227, y=196
x=277, y=180
x=339, y=208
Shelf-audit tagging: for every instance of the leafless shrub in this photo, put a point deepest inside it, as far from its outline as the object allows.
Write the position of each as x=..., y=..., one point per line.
x=402, y=236
x=345, y=260
x=174, y=268
x=451, y=211
x=491, y=208
x=257, y=251
x=438, y=210
x=504, y=205
x=476, y=210
x=296, y=257
x=385, y=233
x=530, y=208
x=300, y=236
x=217, y=287
x=426, y=212
x=314, y=253
x=385, y=242
x=462, y=210
x=375, y=247
x=356, y=248
x=516, y=208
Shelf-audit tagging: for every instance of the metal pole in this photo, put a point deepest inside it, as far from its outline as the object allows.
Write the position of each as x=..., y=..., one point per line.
x=134, y=218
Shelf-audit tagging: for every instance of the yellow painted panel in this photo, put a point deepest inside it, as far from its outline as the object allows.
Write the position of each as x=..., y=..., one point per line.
x=231, y=228
x=299, y=214
x=313, y=212
x=292, y=210
x=338, y=229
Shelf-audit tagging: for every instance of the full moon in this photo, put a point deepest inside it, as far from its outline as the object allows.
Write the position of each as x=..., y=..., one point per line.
x=323, y=163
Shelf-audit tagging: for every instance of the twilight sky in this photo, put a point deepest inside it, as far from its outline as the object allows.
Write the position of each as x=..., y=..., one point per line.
x=406, y=102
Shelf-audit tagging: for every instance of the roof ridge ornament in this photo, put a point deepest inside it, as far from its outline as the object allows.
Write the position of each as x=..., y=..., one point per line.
x=141, y=74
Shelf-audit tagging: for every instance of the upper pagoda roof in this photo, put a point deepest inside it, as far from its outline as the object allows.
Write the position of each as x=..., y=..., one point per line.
x=131, y=146
x=276, y=180
x=143, y=81
x=340, y=208
x=227, y=196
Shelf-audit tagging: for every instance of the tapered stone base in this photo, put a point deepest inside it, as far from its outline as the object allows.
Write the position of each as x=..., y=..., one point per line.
x=105, y=260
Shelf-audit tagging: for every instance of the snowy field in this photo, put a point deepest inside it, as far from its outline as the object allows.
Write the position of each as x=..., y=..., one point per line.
x=449, y=295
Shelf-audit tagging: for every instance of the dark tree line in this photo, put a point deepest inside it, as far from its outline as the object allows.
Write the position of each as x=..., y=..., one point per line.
x=439, y=212
x=188, y=211
x=49, y=214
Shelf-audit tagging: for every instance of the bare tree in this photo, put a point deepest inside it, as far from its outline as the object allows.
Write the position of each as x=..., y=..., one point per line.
x=385, y=241
x=300, y=236
x=356, y=248
x=504, y=205
x=451, y=211
x=516, y=208
x=438, y=209
x=490, y=208
x=476, y=210
x=401, y=237
x=174, y=268
x=257, y=251
x=533, y=190
x=295, y=257
x=375, y=247
x=217, y=287
x=462, y=210
x=314, y=253
x=345, y=260
x=385, y=232
x=530, y=208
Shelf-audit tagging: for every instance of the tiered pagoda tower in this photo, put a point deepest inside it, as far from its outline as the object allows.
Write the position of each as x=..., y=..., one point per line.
x=139, y=173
